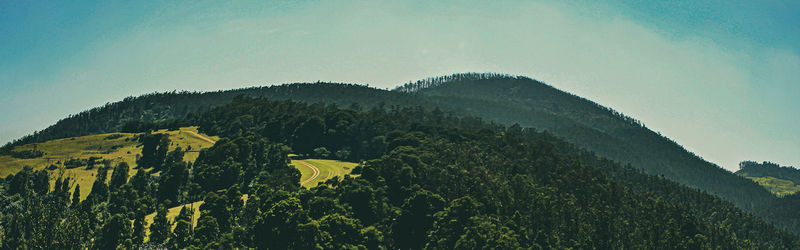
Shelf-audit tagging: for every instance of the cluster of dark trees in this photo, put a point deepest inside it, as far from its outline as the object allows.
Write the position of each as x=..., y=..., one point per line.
x=428, y=180
x=27, y=154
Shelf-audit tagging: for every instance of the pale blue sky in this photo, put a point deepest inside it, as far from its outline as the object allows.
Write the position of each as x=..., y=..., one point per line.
x=719, y=77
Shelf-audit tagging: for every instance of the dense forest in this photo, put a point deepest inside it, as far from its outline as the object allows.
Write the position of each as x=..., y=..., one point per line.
x=504, y=99
x=428, y=179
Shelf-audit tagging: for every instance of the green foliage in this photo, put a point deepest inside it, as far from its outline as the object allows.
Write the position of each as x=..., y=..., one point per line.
x=416, y=219
x=207, y=232
x=154, y=151
x=116, y=232
x=27, y=154
x=99, y=189
x=182, y=234
x=279, y=226
x=428, y=180
x=119, y=177
x=138, y=234
x=172, y=181
x=161, y=227
x=779, y=180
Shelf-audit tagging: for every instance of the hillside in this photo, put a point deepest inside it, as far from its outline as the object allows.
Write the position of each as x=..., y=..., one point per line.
x=79, y=157
x=530, y=103
x=493, y=97
x=779, y=180
x=429, y=180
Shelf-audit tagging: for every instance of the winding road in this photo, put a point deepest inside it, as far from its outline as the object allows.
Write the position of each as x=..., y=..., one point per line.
x=314, y=175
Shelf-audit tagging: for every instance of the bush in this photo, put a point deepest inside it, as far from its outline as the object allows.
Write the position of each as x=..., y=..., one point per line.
x=113, y=136
x=322, y=152
x=27, y=154
x=343, y=154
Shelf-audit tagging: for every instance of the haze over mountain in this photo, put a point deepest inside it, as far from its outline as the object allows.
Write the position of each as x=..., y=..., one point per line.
x=717, y=77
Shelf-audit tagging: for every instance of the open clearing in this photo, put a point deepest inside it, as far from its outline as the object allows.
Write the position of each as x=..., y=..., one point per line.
x=116, y=147
x=779, y=187
x=326, y=169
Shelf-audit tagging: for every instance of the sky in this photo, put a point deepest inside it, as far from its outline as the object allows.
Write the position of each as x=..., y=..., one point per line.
x=720, y=77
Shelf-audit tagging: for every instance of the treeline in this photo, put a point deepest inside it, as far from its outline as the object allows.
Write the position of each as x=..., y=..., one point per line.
x=766, y=169
x=429, y=180
x=134, y=114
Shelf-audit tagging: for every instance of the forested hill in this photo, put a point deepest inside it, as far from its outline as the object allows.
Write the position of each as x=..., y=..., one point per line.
x=512, y=99
x=496, y=97
x=139, y=113
x=428, y=180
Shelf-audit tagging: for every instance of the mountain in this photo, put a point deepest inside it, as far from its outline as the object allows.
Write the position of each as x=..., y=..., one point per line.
x=426, y=180
x=504, y=99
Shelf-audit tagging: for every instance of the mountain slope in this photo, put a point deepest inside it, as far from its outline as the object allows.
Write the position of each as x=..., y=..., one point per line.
x=495, y=97
x=530, y=103
x=429, y=181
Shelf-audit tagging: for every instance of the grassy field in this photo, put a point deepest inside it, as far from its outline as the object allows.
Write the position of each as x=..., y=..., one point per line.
x=116, y=147
x=779, y=187
x=327, y=169
x=172, y=213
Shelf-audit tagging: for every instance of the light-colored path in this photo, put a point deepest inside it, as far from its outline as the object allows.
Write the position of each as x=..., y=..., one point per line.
x=201, y=136
x=314, y=175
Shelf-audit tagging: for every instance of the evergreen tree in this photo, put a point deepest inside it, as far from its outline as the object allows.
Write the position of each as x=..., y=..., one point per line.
x=76, y=196
x=182, y=235
x=172, y=181
x=161, y=227
x=99, y=192
x=114, y=233
x=138, y=228
x=154, y=151
x=119, y=177
x=207, y=232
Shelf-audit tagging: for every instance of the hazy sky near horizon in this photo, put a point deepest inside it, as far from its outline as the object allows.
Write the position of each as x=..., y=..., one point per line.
x=721, y=78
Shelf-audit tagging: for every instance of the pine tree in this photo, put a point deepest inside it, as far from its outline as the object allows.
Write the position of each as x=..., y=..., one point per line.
x=160, y=229
x=76, y=196
x=182, y=235
x=138, y=228
x=114, y=233
x=119, y=177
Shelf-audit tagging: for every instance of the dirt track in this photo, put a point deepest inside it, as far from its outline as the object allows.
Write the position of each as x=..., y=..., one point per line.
x=201, y=136
x=313, y=168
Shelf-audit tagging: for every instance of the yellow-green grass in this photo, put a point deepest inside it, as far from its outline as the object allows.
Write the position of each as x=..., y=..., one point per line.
x=172, y=213
x=121, y=149
x=175, y=211
x=327, y=169
x=779, y=187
